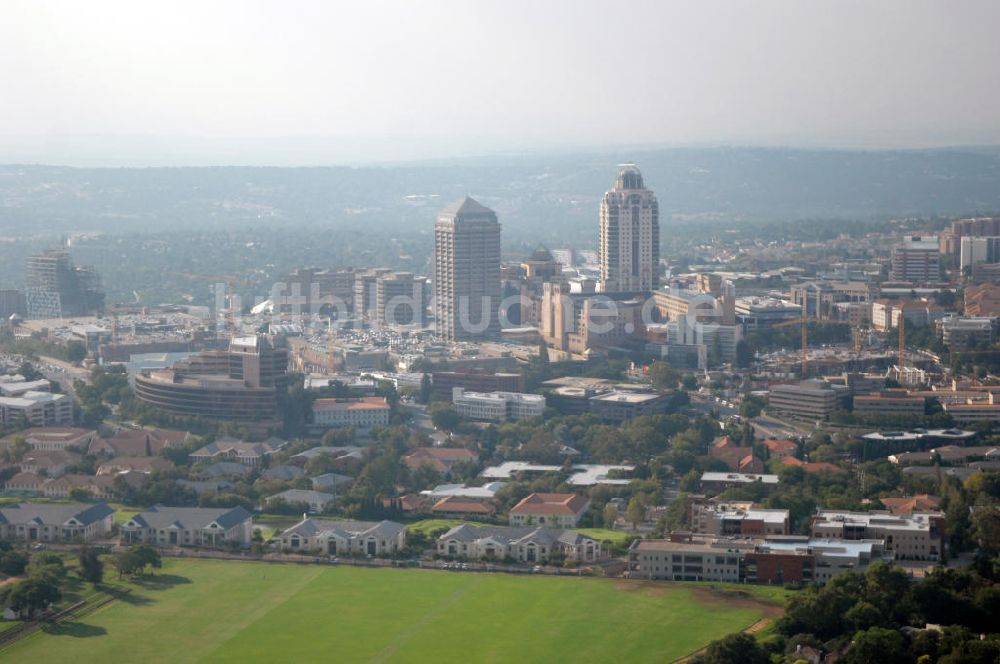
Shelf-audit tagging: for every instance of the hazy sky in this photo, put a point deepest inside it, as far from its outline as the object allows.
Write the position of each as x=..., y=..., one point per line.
x=328, y=82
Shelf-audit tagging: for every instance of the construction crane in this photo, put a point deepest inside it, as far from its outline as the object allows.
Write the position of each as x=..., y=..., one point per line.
x=902, y=339
x=231, y=282
x=329, y=345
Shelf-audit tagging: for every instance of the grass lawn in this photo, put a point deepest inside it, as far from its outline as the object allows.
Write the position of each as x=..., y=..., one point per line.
x=431, y=528
x=605, y=534
x=207, y=610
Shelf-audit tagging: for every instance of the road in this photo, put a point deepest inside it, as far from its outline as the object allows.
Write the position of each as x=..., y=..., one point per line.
x=62, y=372
x=770, y=427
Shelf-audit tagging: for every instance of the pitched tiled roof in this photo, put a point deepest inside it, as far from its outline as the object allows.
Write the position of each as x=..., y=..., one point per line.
x=515, y=535
x=455, y=504
x=783, y=446
x=346, y=529
x=564, y=504
x=919, y=503
x=55, y=513
x=190, y=518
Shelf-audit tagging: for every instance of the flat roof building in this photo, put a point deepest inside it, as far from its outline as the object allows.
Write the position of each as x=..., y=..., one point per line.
x=915, y=536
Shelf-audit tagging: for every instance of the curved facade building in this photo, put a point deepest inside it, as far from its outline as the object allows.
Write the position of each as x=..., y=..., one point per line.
x=243, y=384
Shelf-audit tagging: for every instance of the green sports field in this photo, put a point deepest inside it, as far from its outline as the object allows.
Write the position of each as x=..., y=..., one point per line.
x=201, y=610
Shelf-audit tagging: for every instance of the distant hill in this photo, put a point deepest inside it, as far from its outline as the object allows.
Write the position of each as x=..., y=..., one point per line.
x=541, y=197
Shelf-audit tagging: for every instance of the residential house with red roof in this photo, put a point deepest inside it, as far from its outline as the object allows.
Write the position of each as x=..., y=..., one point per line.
x=559, y=510
x=441, y=459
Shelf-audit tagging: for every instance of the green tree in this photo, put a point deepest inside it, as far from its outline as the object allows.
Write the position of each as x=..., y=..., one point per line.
x=76, y=352
x=425, y=389
x=735, y=649
x=16, y=450
x=663, y=376
x=636, y=511
x=986, y=528
x=609, y=516
x=13, y=563
x=877, y=644
x=91, y=567
x=33, y=594
x=444, y=416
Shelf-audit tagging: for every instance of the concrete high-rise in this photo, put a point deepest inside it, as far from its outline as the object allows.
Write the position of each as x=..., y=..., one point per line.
x=57, y=288
x=467, y=272
x=629, y=250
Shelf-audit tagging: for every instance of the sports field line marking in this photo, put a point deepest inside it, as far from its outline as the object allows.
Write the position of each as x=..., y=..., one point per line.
x=280, y=596
x=393, y=646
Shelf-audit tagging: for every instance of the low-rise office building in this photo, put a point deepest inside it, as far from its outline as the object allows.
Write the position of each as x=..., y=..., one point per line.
x=684, y=561
x=497, y=406
x=715, y=482
x=813, y=399
x=619, y=406
x=915, y=536
x=39, y=409
x=738, y=519
x=889, y=402
x=773, y=560
x=966, y=331
x=362, y=413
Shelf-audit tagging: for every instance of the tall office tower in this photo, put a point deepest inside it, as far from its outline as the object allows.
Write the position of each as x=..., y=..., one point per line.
x=365, y=292
x=467, y=272
x=629, y=252
x=402, y=300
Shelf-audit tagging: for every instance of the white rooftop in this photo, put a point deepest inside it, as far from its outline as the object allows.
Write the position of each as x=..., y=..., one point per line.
x=745, y=478
x=583, y=474
x=487, y=491
x=917, y=521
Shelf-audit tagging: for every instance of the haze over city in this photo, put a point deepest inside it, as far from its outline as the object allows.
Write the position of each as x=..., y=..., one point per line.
x=261, y=83
x=500, y=331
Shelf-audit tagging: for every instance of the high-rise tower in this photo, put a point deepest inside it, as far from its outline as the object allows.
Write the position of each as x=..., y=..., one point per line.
x=467, y=272
x=629, y=251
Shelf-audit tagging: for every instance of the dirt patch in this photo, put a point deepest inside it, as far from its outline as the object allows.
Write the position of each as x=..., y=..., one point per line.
x=655, y=588
x=737, y=598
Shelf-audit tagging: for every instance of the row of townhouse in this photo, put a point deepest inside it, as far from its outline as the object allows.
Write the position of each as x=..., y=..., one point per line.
x=338, y=538
x=523, y=544
x=159, y=526
x=60, y=522
x=189, y=526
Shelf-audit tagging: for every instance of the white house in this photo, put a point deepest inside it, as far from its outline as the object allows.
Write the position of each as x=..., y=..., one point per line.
x=188, y=526
x=345, y=537
x=317, y=500
x=36, y=522
x=526, y=545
